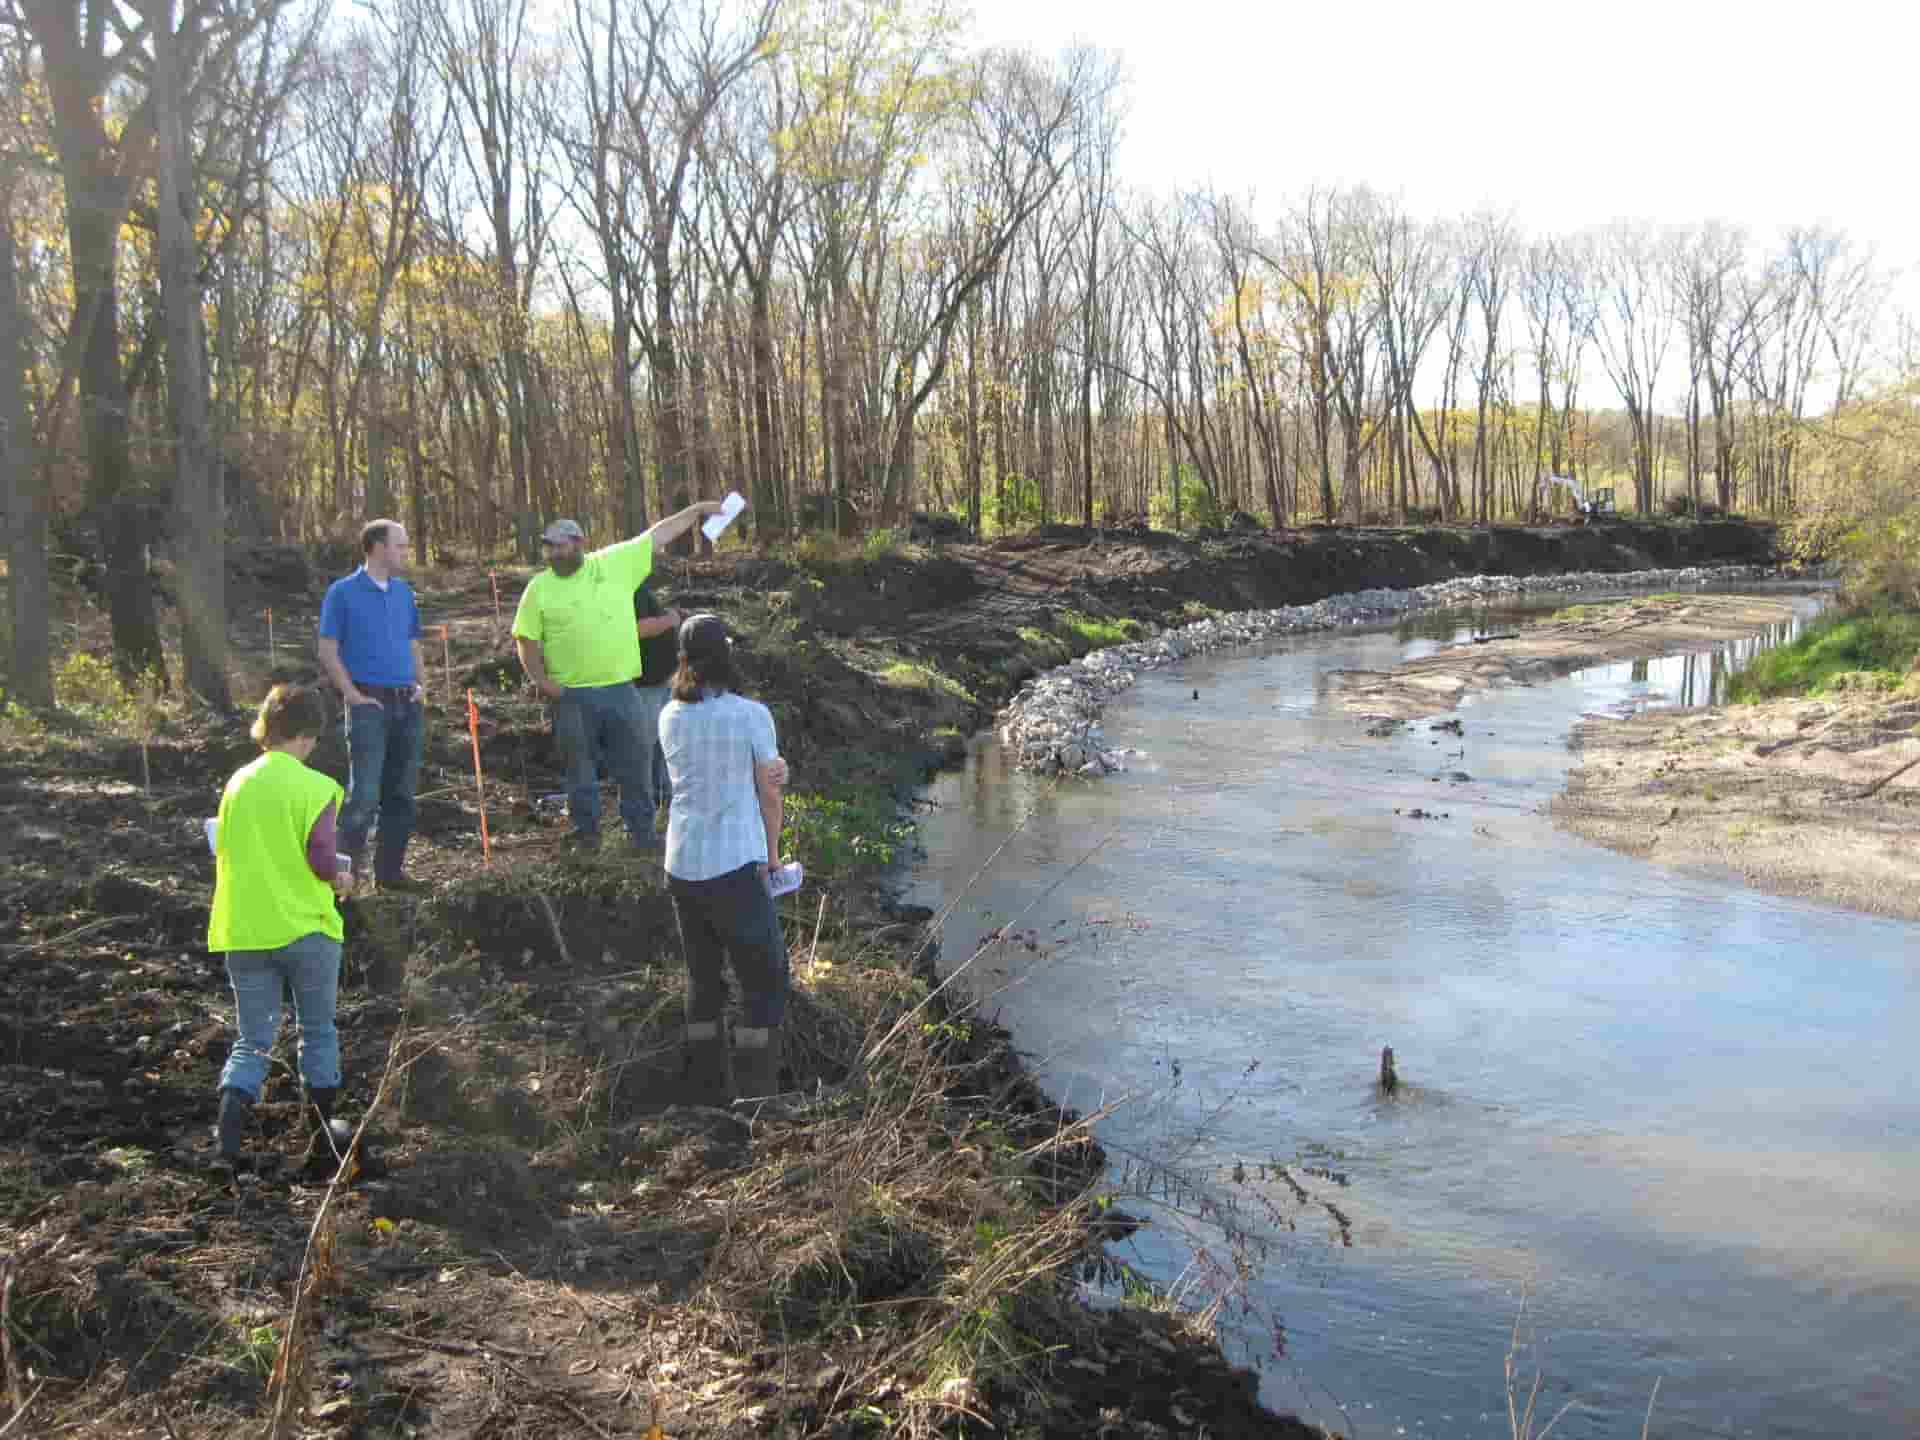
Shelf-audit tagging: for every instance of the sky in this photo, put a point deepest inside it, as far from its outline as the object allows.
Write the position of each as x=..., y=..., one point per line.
x=1565, y=114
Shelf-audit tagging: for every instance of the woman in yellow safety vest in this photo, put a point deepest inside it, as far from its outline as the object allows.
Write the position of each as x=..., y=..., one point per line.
x=276, y=874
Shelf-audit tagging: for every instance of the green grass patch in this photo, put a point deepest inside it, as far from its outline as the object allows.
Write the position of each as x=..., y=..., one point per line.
x=1841, y=652
x=906, y=675
x=1088, y=633
x=1046, y=648
x=1586, y=612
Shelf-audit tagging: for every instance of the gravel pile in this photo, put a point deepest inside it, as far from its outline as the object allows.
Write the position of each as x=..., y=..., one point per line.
x=1053, y=724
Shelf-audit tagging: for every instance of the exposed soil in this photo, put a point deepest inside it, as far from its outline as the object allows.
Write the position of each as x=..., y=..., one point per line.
x=1578, y=638
x=1815, y=798
x=965, y=605
x=540, y=1240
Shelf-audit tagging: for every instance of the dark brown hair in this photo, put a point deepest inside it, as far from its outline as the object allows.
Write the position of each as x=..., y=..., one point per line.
x=290, y=712
x=709, y=672
x=374, y=532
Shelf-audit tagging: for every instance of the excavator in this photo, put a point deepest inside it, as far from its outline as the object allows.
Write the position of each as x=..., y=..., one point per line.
x=1586, y=509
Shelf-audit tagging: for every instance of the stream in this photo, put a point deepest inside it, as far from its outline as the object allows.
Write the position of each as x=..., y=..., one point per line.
x=1659, y=1126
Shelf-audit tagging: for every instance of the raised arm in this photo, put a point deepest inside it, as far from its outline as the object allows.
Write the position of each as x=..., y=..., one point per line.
x=666, y=531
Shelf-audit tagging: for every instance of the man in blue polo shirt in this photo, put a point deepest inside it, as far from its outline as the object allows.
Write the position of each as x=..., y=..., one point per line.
x=370, y=649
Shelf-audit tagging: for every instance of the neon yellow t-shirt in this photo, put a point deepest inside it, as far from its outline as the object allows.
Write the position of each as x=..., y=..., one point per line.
x=265, y=894
x=584, y=623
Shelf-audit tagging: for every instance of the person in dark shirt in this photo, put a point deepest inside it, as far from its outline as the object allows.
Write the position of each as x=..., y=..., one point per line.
x=659, y=657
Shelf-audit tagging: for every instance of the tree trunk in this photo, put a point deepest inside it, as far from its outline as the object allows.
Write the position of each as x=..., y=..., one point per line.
x=767, y=490
x=199, y=500
x=29, y=663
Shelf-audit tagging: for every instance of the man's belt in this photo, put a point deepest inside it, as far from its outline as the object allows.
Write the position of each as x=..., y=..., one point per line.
x=399, y=694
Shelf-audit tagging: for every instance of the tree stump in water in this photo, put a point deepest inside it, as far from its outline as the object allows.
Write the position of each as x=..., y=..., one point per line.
x=1389, y=1081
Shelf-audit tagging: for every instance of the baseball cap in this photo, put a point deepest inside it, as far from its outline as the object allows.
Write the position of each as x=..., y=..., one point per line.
x=561, y=531
x=704, y=636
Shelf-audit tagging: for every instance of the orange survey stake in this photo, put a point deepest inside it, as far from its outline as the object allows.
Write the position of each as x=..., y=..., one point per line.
x=479, y=780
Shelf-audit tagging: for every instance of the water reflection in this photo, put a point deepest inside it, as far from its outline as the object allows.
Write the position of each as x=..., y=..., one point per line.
x=1681, y=1112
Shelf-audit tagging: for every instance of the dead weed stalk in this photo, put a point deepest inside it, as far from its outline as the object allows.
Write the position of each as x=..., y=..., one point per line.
x=319, y=1273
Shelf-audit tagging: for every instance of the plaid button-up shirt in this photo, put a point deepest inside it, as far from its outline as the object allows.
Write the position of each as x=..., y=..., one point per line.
x=715, y=826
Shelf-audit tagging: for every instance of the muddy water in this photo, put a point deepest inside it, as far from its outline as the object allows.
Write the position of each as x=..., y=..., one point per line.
x=1677, y=1117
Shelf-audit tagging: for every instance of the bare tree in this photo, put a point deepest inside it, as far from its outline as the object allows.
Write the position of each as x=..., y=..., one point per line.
x=90, y=51
x=1634, y=329
x=1490, y=276
x=1095, y=149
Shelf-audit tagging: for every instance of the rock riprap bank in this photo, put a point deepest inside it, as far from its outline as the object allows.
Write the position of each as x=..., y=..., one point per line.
x=1052, y=725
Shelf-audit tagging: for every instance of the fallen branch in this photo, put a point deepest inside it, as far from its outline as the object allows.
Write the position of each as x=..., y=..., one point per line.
x=459, y=1347
x=74, y=934
x=18, y=1415
x=1877, y=786
x=9, y=1269
x=553, y=920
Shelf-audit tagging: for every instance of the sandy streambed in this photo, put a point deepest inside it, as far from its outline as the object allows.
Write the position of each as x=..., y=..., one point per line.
x=1816, y=798
x=1574, y=640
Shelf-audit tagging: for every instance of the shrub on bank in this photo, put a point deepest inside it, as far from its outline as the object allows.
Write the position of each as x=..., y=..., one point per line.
x=1871, y=650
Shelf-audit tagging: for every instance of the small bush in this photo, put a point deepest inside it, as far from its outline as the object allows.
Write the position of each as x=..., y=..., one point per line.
x=1014, y=505
x=91, y=688
x=821, y=552
x=1884, y=644
x=1199, y=508
x=882, y=544
x=846, y=831
x=1679, y=507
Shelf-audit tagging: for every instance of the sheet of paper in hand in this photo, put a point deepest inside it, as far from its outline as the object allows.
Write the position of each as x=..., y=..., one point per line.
x=715, y=525
x=786, y=878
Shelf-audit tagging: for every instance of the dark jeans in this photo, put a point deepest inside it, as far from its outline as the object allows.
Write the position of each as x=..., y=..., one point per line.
x=732, y=915
x=384, y=744
x=595, y=723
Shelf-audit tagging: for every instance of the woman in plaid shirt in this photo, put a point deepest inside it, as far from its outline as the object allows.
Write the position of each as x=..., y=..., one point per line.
x=723, y=833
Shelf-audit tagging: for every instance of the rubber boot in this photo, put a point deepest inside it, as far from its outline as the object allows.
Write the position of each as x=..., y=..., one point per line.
x=756, y=1063
x=705, y=1075
x=328, y=1142
x=235, y=1106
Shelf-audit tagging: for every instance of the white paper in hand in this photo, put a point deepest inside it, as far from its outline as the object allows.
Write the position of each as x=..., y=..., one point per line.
x=714, y=526
x=785, y=879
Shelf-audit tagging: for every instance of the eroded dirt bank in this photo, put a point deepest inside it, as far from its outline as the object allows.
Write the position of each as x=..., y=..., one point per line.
x=965, y=606
x=1582, y=636
x=1813, y=798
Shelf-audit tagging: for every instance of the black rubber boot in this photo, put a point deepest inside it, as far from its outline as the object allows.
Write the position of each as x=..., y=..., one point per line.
x=756, y=1068
x=235, y=1107
x=705, y=1074
x=328, y=1142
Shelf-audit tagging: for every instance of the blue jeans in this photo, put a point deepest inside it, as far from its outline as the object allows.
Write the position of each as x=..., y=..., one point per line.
x=384, y=742
x=732, y=915
x=310, y=968
x=595, y=723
